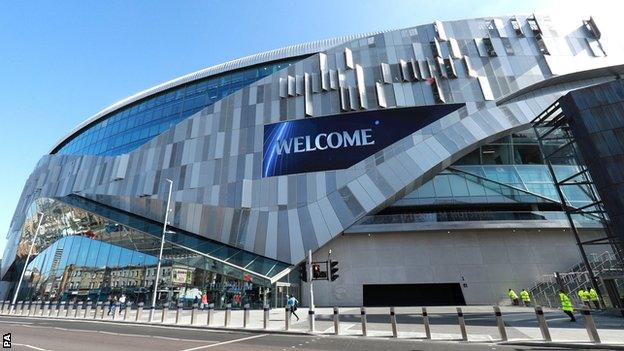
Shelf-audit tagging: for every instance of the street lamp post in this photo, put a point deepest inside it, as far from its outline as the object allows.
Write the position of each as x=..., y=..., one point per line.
x=32, y=245
x=162, y=245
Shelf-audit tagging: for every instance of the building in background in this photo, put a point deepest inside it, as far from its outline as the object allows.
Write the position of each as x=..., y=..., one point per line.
x=410, y=154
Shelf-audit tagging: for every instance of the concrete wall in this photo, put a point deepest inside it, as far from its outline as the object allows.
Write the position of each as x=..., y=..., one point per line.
x=489, y=262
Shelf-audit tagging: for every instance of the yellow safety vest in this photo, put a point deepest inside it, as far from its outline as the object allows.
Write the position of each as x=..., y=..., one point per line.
x=512, y=295
x=524, y=295
x=566, y=303
x=593, y=295
x=584, y=295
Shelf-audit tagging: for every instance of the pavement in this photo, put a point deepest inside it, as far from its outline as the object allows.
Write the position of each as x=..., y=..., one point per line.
x=57, y=334
x=521, y=325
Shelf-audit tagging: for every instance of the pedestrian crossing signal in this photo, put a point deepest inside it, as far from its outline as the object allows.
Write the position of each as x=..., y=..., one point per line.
x=316, y=271
x=303, y=272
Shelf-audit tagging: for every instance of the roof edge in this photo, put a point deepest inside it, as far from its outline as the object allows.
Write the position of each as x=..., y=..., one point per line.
x=243, y=62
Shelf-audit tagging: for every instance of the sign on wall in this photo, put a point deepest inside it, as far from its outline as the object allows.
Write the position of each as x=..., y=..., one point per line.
x=340, y=141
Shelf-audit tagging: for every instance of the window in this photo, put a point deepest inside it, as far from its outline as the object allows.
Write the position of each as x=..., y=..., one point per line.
x=489, y=47
x=496, y=154
x=516, y=27
x=541, y=45
x=534, y=26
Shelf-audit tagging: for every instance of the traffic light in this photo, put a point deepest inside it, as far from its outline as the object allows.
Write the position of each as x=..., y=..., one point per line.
x=303, y=272
x=333, y=270
x=316, y=271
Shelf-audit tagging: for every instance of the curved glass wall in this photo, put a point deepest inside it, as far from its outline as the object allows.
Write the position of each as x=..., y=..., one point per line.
x=83, y=256
x=514, y=161
x=130, y=127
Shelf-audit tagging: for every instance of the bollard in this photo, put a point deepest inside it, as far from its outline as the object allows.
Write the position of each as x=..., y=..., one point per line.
x=336, y=320
x=363, y=320
x=178, y=313
x=287, y=319
x=125, y=311
x=45, y=309
x=245, y=315
x=22, y=303
x=311, y=320
x=105, y=309
x=462, y=324
x=117, y=311
x=2, y=307
x=165, y=312
x=58, y=308
x=426, y=323
x=36, y=308
x=500, y=323
x=393, y=322
x=98, y=308
x=32, y=308
x=265, y=312
x=209, y=314
x=542, y=323
x=67, y=308
x=77, y=309
x=228, y=314
x=139, y=311
x=590, y=326
x=193, y=311
x=87, y=311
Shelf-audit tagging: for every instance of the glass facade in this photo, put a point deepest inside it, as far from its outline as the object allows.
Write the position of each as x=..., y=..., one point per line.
x=506, y=170
x=83, y=256
x=131, y=126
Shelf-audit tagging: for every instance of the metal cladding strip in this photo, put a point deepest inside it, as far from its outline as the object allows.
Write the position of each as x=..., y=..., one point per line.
x=247, y=61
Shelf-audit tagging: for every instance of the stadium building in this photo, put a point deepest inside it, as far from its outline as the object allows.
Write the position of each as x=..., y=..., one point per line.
x=414, y=156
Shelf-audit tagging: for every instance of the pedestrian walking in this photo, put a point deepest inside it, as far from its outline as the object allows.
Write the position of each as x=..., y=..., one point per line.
x=112, y=300
x=526, y=299
x=514, y=297
x=292, y=305
x=204, y=301
x=593, y=297
x=122, y=302
x=566, y=305
x=584, y=296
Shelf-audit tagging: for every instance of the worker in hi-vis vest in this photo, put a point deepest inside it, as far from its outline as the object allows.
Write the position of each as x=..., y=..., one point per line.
x=584, y=296
x=526, y=299
x=566, y=305
x=593, y=297
x=514, y=297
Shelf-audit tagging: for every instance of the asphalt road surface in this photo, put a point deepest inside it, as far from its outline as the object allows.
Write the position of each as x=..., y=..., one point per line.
x=39, y=334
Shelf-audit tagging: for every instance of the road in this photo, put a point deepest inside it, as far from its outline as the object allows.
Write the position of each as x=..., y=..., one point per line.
x=41, y=334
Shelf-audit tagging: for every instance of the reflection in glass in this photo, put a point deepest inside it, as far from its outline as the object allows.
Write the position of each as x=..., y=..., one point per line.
x=82, y=256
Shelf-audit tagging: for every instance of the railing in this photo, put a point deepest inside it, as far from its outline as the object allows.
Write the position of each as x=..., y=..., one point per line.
x=546, y=290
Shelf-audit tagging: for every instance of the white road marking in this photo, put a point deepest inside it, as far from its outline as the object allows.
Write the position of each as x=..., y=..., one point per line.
x=110, y=333
x=225, y=342
x=30, y=346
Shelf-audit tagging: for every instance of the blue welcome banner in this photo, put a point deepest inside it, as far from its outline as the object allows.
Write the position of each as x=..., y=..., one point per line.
x=340, y=141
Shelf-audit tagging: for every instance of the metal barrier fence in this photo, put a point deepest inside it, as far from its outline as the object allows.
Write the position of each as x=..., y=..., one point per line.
x=134, y=313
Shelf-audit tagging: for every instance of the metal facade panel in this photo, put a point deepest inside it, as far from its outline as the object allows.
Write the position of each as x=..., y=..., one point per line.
x=215, y=157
